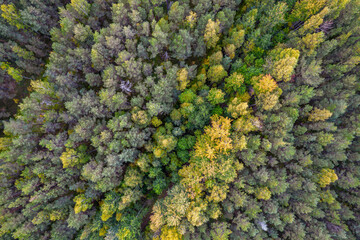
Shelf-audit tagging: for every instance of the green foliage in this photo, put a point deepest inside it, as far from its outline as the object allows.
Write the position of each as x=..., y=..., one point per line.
x=187, y=96
x=305, y=8
x=235, y=83
x=216, y=96
x=216, y=73
x=180, y=119
x=10, y=14
x=16, y=74
x=283, y=63
x=186, y=142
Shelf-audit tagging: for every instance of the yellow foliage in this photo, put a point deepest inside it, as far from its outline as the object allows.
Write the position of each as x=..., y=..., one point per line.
x=182, y=77
x=80, y=190
x=140, y=117
x=212, y=31
x=159, y=152
x=157, y=218
x=220, y=128
x=218, y=193
x=4, y=143
x=216, y=96
x=82, y=203
x=267, y=101
x=23, y=53
x=314, y=21
x=107, y=211
x=237, y=37
x=191, y=19
x=165, y=143
x=284, y=62
x=216, y=139
x=215, y=58
x=132, y=177
x=238, y=108
x=11, y=15
x=245, y=124
x=170, y=233
x=156, y=122
x=196, y=214
x=186, y=109
x=305, y=8
x=249, y=46
x=130, y=196
x=245, y=97
x=319, y=115
x=326, y=177
x=234, y=82
x=216, y=73
x=210, y=162
x=263, y=193
x=239, y=143
x=337, y=6
x=69, y=158
x=81, y=6
x=327, y=197
x=40, y=218
x=56, y=215
x=118, y=216
x=230, y=50
x=15, y=73
x=103, y=231
x=214, y=211
x=265, y=84
x=192, y=178
x=175, y=115
x=312, y=41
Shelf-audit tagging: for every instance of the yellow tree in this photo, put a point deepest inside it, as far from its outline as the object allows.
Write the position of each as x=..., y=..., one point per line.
x=311, y=41
x=211, y=160
x=264, y=84
x=157, y=217
x=169, y=233
x=81, y=6
x=263, y=193
x=283, y=63
x=326, y=177
x=267, y=101
x=82, y=203
x=216, y=73
x=246, y=124
x=15, y=73
x=11, y=15
x=212, y=32
x=305, y=8
x=238, y=108
x=216, y=96
x=69, y=158
x=182, y=77
x=230, y=50
x=319, y=115
x=191, y=19
x=314, y=22
x=237, y=37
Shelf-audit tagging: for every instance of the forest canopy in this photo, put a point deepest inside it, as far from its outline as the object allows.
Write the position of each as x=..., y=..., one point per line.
x=179, y=120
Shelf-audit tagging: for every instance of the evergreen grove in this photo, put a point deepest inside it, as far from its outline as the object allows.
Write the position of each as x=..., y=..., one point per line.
x=179, y=120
